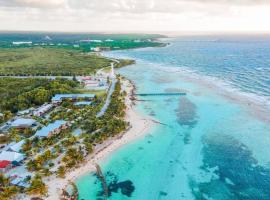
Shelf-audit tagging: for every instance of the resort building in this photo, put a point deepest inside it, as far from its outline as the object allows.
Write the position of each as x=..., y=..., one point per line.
x=25, y=112
x=20, y=182
x=86, y=78
x=96, y=83
x=58, y=98
x=2, y=146
x=4, y=128
x=97, y=41
x=22, y=42
x=5, y=165
x=42, y=110
x=52, y=129
x=21, y=123
x=16, y=147
x=83, y=103
x=91, y=83
x=11, y=156
x=99, y=49
x=21, y=179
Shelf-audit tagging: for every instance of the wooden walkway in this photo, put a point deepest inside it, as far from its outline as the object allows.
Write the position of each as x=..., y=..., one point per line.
x=161, y=94
x=102, y=179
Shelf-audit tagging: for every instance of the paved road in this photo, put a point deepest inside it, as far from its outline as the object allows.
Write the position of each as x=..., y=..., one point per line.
x=108, y=99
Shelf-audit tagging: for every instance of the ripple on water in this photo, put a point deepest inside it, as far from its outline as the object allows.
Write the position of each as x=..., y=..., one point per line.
x=186, y=113
x=175, y=90
x=240, y=177
x=161, y=79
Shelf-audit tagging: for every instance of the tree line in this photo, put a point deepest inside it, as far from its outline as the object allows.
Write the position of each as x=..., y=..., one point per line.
x=19, y=94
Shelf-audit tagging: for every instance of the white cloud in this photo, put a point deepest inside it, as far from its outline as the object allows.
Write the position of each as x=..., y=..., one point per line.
x=124, y=5
x=135, y=15
x=33, y=3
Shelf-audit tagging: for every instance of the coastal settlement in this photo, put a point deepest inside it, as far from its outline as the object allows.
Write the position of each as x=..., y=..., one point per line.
x=52, y=139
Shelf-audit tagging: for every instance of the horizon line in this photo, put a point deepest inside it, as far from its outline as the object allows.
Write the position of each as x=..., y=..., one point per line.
x=163, y=33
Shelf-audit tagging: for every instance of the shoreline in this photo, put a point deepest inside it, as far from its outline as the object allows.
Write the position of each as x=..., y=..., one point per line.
x=255, y=105
x=140, y=125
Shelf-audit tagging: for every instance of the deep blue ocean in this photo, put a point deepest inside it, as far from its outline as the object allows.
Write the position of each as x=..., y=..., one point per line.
x=242, y=63
x=215, y=141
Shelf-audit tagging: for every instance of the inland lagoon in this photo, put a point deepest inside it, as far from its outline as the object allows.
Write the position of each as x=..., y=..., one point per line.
x=213, y=142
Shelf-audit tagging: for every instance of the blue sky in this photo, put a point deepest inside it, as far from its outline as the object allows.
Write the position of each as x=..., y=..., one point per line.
x=136, y=15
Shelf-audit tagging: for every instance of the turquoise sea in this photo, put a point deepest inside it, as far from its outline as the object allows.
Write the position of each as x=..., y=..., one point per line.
x=216, y=140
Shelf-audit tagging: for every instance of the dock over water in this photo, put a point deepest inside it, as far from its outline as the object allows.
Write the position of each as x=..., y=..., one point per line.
x=161, y=94
x=101, y=177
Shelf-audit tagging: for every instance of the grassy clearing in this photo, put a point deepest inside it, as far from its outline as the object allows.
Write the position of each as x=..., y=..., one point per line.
x=98, y=93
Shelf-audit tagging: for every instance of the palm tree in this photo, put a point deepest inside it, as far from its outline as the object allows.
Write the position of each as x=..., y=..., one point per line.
x=37, y=186
x=61, y=171
x=7, y=191
x=27, y=145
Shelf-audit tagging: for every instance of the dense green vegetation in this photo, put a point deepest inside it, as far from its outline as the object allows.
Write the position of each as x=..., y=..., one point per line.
x=120, y=44
x=40, y=61
x=124, y=62
x=7, y=191
x=5, y=116
x=97, y=130
x=67, y=40
x=17, y=135
x=37, y=186
x=112, y=123
x=19, y=93
x=43, y=151
x=64, y=151
x=48, y=61
x=74, y=149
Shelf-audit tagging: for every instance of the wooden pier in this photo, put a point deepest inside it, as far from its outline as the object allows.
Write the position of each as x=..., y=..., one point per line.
x=103, y=181
x=161, y=94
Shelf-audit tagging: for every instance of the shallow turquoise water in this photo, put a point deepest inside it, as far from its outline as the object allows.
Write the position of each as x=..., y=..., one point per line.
x=210, y=148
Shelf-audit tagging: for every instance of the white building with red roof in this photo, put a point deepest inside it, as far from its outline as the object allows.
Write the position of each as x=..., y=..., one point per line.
x=5, y=165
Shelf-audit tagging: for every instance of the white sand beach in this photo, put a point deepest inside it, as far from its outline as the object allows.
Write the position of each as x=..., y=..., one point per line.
x=139, y=127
